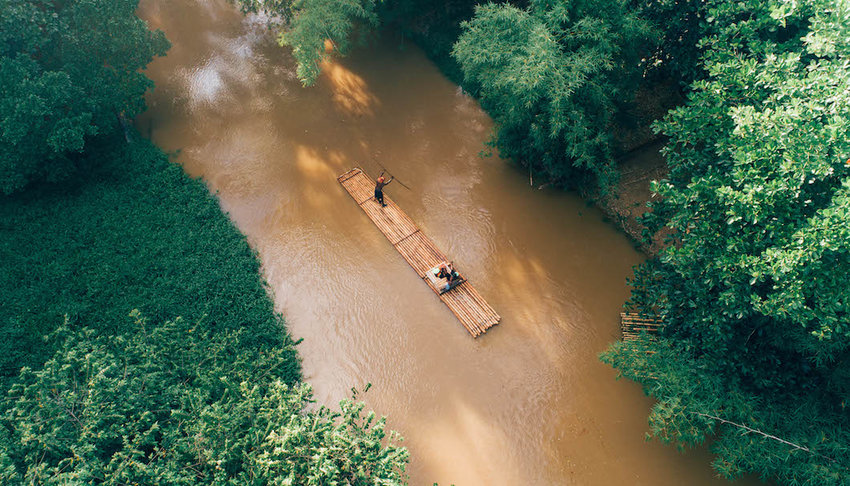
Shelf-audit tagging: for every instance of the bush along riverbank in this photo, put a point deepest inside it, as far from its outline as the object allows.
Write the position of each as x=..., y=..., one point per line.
x=753, y=294
x=200, y=384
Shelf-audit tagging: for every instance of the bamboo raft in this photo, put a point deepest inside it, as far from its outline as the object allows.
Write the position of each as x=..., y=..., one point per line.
x=634, y=325
x=463, y=300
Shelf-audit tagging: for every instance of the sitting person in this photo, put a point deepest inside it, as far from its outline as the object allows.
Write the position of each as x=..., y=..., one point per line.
x=447, y=271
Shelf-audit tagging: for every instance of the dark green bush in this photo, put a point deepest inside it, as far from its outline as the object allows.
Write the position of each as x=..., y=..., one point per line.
x=132, y=232
x=553, y=76
x=213, y=398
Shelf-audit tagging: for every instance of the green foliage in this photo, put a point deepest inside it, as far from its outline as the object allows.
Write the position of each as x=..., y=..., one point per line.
x=212, y=398
x=281, y=10
x=754, y=286
x=305, y=25
x=211, y=402
x=795, y=441
x=552, y=77
x=133, y=232
x=68, y=70
x=681, y=26
x=182, y=403
x=315, y=21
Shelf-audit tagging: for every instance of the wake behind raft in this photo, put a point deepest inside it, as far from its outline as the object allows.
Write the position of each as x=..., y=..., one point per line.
x=427, y=260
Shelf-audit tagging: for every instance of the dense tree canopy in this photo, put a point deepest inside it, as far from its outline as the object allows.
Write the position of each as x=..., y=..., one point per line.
x=67, y=71
x=130, y=230
x=552, y=76
x=214, y=399
x=754, y=289
x=179, y=404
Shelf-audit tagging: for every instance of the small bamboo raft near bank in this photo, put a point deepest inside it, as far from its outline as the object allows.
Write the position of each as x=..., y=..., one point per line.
x=633, y=325
x=464, y=301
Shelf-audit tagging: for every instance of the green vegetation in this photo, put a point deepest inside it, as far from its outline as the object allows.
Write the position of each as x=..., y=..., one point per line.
x=313, y=21
x=211, y=397
x=754, y=288
x=675, y=57
x=305, y=25
x=179, y=403
x=69, y=70
x=131, y=231
x=98, y=228
x=552, y=76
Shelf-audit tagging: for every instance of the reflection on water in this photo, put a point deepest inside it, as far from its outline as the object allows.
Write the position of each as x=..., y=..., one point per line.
x=528, y=403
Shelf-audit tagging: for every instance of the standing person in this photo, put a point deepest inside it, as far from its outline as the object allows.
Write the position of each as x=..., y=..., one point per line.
x=379, y=188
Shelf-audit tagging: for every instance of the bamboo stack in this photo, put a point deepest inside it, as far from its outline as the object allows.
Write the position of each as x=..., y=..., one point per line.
x=419, y=251
x=634, y=325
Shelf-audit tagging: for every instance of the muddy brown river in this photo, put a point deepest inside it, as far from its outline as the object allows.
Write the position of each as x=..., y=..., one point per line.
x=526, y=404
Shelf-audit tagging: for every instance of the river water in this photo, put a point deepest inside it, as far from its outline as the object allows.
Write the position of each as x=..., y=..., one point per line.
x=526, y=404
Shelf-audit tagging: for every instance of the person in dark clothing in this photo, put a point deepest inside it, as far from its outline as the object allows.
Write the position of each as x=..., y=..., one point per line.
x=443, y=271
x=379, y=188
x=447, y=271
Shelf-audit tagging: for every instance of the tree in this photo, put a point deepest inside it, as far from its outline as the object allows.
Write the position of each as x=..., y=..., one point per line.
x=180, y=404
x=552, y=77
x=315, y=21
x=68, y=71
x=681, y=25
x=753, y=288
x=306, y=25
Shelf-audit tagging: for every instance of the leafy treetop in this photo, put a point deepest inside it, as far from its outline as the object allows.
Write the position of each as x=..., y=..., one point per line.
x=68, y=70
x=754, y=286
x=552, y=76
x=181, y=404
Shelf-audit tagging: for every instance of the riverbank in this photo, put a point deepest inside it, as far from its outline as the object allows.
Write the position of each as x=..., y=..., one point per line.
x=142, y=345
x=132, y=231
x=639, y=161
x=628, y=202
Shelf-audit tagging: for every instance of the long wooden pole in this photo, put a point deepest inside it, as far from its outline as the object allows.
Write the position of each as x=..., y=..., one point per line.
x=394, y=177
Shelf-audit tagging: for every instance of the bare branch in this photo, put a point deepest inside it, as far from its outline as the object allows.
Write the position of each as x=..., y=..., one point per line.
x=764, y=434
